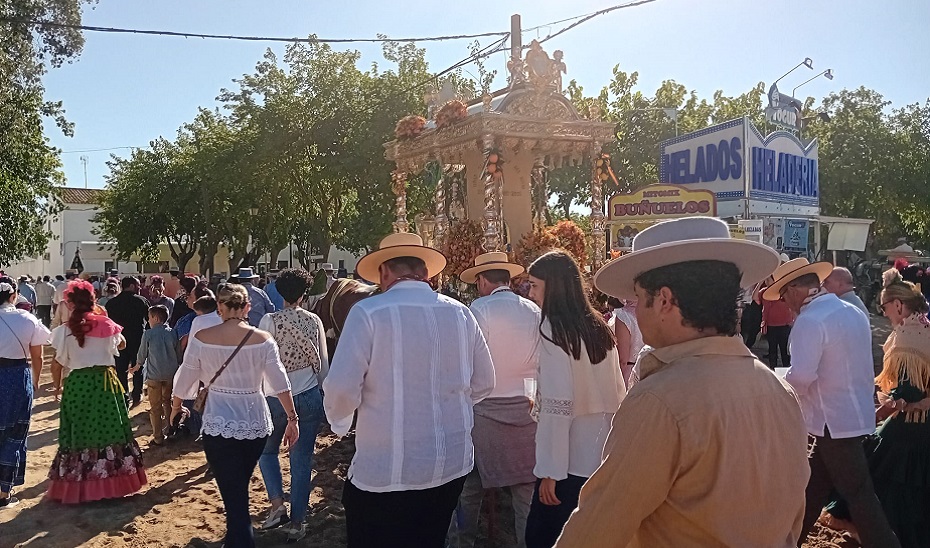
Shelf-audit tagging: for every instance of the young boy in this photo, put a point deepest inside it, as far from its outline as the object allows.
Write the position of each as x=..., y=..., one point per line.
x=160, y=351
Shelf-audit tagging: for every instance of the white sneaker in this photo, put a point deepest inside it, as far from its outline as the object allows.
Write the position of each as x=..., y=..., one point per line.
x=294, y=534
x=276, y=518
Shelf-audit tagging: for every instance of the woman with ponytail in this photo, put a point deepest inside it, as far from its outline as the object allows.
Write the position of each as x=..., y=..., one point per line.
x=97, y=456
x=899, y=453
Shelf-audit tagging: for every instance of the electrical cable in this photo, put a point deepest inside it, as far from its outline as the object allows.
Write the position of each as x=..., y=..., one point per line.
x=91, y=28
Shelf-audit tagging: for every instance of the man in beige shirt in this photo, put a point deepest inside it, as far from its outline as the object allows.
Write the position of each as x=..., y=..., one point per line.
x=709, y=448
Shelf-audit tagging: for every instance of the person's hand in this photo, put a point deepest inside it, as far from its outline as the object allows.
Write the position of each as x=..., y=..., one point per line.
x=922, y=405
x=547, y=492
x=134, y=368
x=175, y=411
x=291, y=433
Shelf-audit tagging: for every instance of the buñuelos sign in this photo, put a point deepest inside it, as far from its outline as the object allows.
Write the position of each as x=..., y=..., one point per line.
x=657, y=202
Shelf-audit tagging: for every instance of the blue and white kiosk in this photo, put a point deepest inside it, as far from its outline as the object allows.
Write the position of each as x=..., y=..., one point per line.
x=768, y=184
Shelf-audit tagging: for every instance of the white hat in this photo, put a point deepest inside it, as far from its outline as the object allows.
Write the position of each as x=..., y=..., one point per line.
x=327, y=266
x=792, y=270
x=246, y=273
x=683, y=240
x=401, y=244
x=495, y=260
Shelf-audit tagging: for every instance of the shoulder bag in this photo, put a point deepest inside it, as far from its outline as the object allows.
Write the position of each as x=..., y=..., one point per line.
x=201, y=401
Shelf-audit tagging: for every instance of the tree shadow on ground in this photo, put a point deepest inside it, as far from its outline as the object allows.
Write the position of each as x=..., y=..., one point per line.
x=84, y=519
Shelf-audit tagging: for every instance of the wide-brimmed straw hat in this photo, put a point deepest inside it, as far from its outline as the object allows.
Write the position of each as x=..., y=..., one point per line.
x=683, y=240
x=792, y=270
x=401, y=244
x=495, y=260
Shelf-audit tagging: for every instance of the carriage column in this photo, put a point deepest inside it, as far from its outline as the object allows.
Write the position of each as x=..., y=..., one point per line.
x=399, y=186
x=597, y=206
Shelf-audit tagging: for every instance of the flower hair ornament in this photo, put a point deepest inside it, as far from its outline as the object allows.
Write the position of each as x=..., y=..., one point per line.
x=5, y=287
x=78, y=284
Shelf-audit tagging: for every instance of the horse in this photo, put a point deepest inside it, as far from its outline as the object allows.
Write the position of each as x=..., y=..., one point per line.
x=333, y=308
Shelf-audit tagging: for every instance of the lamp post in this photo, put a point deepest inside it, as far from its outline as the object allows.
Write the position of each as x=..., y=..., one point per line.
x=828, y=74
x=807, y=62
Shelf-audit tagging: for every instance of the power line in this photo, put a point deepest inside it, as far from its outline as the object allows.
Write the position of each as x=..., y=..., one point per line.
x=90, y=28
x=98, y=149
x=586, y=18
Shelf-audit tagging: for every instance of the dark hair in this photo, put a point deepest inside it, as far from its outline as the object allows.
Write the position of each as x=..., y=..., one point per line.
x=565, y=304
x=292, y=284
x=706, y=292
x=202, y=290
x=129, y=281
x=46, y=279
x=401, y=265
x=60, y=278
x=497, y=276
x=807, y=280
x=5, y=295
x=82, y=303
x=160, y=312
x=205, y=305
x=188, y=283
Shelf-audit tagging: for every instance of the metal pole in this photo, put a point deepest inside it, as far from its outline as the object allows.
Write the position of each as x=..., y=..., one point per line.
x=516, y=40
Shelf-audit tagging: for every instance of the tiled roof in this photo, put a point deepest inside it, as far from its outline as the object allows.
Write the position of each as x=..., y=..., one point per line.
x=89, y=196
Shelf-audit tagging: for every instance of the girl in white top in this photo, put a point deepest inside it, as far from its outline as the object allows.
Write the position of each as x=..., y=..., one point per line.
x=579, y=389
x=21, y=338
x=629, y=337
x=236, y=419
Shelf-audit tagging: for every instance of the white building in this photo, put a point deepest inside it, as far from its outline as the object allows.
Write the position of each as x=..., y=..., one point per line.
x=73, y=230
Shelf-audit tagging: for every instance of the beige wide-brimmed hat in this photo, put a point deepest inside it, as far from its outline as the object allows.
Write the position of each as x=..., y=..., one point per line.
x=495, y=260
x=683, y=240
x=401, y=244
x=792, y=270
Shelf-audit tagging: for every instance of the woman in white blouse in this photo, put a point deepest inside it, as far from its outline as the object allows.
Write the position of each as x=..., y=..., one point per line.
x=579, y=389
x=236, y=419
x=21, y=338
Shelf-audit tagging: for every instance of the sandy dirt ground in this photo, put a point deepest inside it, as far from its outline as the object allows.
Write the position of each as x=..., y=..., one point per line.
x=181, y=508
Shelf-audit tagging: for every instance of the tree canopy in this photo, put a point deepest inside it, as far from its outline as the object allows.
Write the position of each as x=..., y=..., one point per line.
x=30, y=169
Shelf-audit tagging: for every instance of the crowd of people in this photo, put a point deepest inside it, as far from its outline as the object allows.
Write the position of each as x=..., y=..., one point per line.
x=652, y=424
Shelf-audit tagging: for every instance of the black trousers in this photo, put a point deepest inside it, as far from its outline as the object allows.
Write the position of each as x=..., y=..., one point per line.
x=233, y=462
x=777, y=336
x=545, y=523
x=125, y=360
x=400, y=518
x=840, y=464
x=750, y=324
x=44, y=313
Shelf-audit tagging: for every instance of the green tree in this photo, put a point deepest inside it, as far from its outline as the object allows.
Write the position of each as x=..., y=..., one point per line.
x=30, y=170
x=152, y=199
x=859, y=169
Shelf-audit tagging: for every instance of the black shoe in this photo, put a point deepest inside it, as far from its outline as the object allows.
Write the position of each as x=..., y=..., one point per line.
x=8, y=502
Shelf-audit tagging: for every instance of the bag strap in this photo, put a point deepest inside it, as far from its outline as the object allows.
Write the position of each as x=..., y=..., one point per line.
x=231, y=356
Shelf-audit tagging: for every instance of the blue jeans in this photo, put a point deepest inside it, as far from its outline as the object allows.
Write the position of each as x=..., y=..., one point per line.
x=309, y=406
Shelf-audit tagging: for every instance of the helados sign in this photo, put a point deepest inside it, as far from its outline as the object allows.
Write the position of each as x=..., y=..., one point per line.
x=734, y=161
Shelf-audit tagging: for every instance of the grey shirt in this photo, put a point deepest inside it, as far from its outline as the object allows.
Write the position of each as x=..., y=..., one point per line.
x=853, y=299
x=159, y=351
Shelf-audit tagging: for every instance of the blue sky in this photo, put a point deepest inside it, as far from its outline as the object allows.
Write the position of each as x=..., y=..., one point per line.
x=126, y=90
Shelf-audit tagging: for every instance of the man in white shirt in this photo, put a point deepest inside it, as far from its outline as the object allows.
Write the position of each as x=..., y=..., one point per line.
x=415, y=366
x=60, y=286
x=504, y=432
x=832, y=373
x=45, y=294
x=840, y=283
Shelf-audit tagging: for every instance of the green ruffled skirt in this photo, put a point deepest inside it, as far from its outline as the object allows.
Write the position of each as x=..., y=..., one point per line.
x=97, y=458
